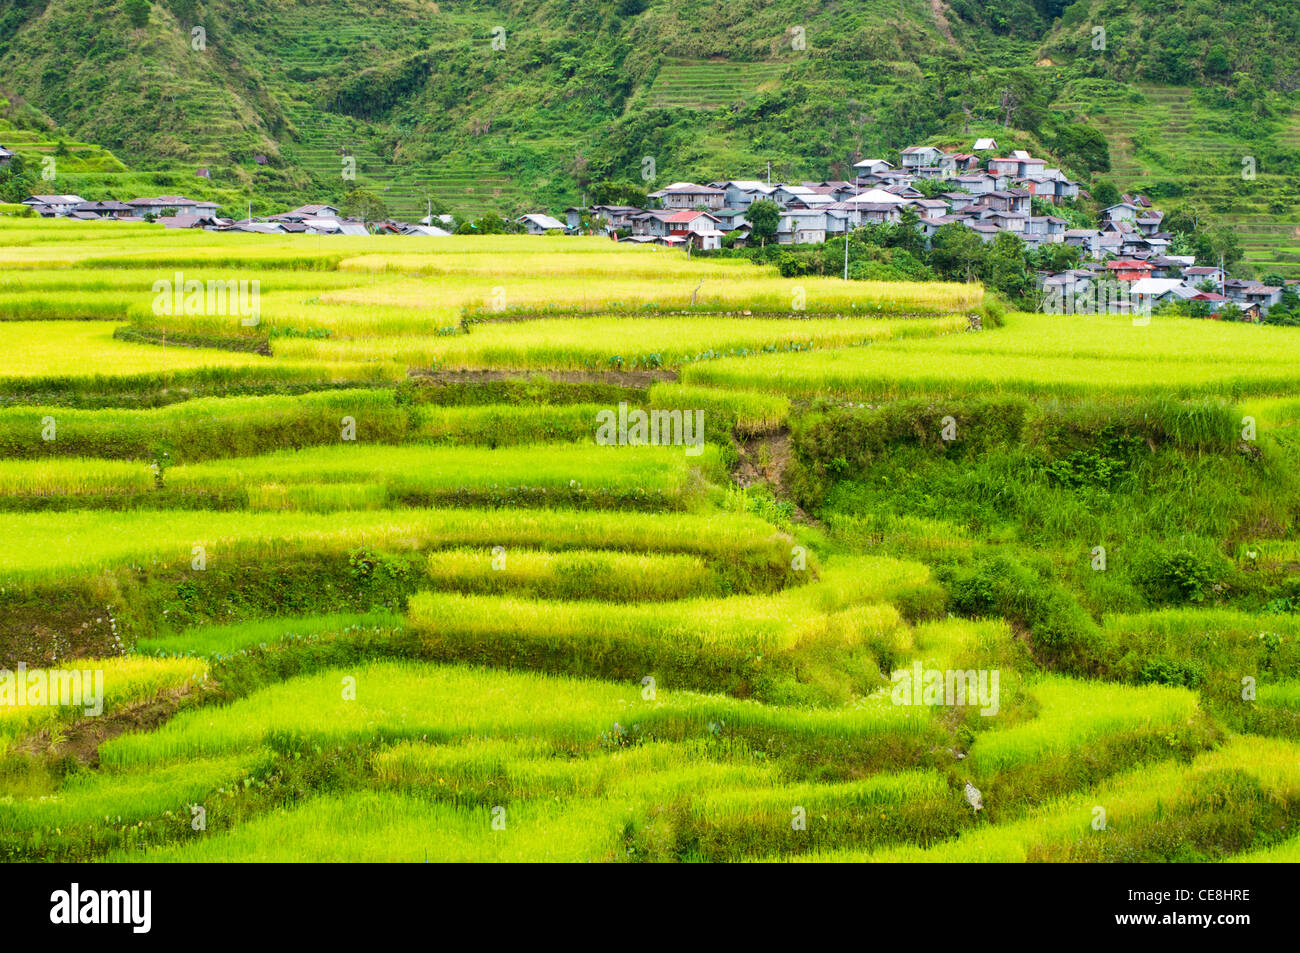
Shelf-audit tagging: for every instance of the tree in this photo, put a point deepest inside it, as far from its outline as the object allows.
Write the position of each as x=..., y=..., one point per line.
x=137, y=12
x=16, y=183
x=1018, y=91
x=906, y=234
x=1082, y=148
x=1222, y=246
x=1217, y=62
x=957, y=253
x=1005, y=268
x=484, y=225
x=1195, y=236
x=1058, y=256
x=764, y=217
x=185, y=9
x=1105, y=194
x=1170, y=50
x=932, y=188
x=609, y=192
x=365, y=205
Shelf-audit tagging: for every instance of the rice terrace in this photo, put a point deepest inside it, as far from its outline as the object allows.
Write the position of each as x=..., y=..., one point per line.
x=394, y=567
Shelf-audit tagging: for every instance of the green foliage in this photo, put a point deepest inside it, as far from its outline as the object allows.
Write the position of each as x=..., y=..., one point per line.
x=958, y=253
x=137, y=12
x=367, y=564
x=1181, y=575
x=1063, y=632
x=486, y=225
x=763, y=216
x=365, y=205
x=371, y=93
x=1105, y=194
x=617, y=193
x=1082, y=148
x=1102, y=464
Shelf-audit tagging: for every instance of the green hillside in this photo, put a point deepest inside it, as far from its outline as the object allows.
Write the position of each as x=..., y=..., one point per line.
x=505, y=106
x=1167, y=142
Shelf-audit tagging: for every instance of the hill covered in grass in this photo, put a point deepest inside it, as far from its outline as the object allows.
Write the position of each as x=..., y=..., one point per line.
x=503, y=106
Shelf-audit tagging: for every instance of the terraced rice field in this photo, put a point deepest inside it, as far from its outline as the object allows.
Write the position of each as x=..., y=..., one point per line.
x=304, y=46
x=400, y=560
x=688, y=84
x=1164, y=137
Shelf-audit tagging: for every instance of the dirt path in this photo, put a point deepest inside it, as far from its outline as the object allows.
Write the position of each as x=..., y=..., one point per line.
x=764, y=460
x=940, y=20
x=81, y=740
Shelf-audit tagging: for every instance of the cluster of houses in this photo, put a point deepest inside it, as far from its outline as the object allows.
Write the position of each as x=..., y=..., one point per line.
x=1150, y=283
x=1130, y=250
x=177, y=211
x=987, y=195
x=978, y=190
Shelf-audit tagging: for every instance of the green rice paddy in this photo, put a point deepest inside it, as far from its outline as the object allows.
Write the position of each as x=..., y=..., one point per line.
x=365, y=583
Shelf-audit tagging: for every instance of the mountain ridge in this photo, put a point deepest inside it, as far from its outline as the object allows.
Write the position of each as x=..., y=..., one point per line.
x=505, y=107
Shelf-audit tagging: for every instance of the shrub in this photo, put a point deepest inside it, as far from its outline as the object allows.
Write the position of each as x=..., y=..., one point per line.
x=1179, y=576
x=1063, y=632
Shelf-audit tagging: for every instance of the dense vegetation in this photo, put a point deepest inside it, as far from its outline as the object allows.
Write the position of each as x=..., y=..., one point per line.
x=366, y=566
x=501, y=106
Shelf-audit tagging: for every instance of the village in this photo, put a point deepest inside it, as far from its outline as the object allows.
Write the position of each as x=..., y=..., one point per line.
x=979, y=190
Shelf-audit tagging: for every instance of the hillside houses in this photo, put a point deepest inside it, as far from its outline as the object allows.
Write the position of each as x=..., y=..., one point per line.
x=53, y=206
x=171, y=205
x=984, y=189
x=987, y=200
x=1157, y=281
x=305, y=213
x=536, y=224
x=139, y=209
x=178, y=211
x=688, y=195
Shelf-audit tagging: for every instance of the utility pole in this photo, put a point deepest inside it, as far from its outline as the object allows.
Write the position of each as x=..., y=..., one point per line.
x=769, y=171
x=846, y=250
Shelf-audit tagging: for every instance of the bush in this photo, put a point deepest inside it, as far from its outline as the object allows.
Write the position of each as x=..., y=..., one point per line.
x=1182, y=575
x=837, y=443
x=1063, y=633
x=992, y=311
x=1161, y=670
